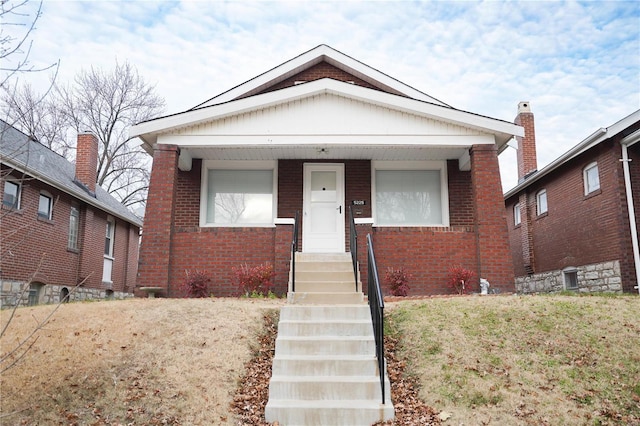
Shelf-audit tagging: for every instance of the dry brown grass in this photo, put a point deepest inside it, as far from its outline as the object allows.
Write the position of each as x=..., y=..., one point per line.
x=141, y=361
x=532, y=360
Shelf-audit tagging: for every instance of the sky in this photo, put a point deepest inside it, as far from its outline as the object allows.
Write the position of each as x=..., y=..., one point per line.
x=577, y=63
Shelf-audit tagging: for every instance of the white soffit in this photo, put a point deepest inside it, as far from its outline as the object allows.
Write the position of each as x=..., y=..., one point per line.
x=150, y=130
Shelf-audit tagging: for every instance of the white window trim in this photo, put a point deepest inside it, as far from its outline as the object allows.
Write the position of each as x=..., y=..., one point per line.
x=15, y=182
x=585, y=179
x=517, y=218
x=236, y=165
x=413, y=165
x=50, y=197
x=538, y=204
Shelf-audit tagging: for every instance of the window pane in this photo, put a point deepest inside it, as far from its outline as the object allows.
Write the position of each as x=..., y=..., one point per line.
x=44, y=206
x=593, y=180
x=10, y=197
x=108, y=241
x=74, y=219
x=542, y=202
x=516, y=214
x=408, y=197
x=240, y=196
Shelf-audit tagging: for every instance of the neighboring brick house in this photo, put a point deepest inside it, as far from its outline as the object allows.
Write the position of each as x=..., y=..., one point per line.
x=318, y=134
x=58, y=228
x=574, y=224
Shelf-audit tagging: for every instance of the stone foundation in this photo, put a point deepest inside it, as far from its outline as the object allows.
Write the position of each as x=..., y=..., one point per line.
x=599, y=277
x=10, y=294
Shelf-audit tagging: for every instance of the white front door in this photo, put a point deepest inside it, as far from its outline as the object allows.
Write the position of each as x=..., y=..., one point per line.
x=323, y=213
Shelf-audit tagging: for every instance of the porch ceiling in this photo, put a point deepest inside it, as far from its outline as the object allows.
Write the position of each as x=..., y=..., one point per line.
x=328, y=152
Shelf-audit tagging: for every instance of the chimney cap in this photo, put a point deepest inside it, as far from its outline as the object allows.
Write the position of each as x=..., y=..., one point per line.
x=524, y=106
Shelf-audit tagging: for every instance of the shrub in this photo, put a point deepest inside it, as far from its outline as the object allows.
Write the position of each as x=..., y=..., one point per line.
x=195, y=284
x=460, y=278
x=398, y=281
x=255, y=281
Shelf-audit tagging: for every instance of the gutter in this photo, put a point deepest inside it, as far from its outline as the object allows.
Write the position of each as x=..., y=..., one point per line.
x=625, y=143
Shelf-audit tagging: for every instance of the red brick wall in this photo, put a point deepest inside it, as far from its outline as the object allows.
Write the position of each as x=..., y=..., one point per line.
x=28, y=241
x=155, y=249
x=217, y=251
x=493, y=251
x=578, y=229
x=460, y=195
x=188, y=197
x=316, y=72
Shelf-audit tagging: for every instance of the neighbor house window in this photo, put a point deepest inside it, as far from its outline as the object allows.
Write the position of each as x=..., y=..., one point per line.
x=11, y=197
x=74, y=221
x=516, y=215
x=45, y=205
x=238, y=194
x=591, y=178
x=541, y=201
x=570, y=278
x=410, y=194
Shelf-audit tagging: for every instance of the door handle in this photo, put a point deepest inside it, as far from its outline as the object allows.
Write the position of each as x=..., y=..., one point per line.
x=339, y=209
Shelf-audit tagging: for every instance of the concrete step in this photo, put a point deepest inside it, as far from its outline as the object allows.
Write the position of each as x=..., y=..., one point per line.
x=325, y=328
x=325, y=312
x=325, y=365
x=327, y=275
x=310, y=266
x=328, y=413
x=323, y=257
x=325, y=345
x=325, y=298
x=325, y=387
x=336, y=286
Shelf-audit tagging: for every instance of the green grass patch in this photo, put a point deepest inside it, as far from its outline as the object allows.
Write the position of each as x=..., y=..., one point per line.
x=558, y=359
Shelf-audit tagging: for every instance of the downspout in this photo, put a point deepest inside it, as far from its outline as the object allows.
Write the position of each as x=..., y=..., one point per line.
x=634, y=137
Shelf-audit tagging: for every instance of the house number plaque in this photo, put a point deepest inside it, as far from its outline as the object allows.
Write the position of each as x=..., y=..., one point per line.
x=358, y=202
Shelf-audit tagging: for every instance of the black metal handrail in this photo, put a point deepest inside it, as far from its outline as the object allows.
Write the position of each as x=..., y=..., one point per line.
x=376, y=305
x=294, y=249
x=353, y=245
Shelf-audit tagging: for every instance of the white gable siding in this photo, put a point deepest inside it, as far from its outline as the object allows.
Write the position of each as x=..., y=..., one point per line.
x=326, y=114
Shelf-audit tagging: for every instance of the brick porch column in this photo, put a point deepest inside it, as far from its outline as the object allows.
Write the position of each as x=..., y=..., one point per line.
x=494, y=256
x=155, y=250
x=282, y=255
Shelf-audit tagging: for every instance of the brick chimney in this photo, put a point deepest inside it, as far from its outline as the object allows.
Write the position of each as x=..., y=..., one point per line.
x=87, y=161
x=527, y=162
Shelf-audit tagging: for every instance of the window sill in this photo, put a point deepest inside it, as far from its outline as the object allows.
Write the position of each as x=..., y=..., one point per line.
x=541, y=215
x=12, y=209
x=73, y=250
x=45, y=220
x=517, y=226
x=593, y=194
x=109, y=257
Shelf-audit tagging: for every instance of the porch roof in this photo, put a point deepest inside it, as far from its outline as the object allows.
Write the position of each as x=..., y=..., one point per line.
x=353, y=133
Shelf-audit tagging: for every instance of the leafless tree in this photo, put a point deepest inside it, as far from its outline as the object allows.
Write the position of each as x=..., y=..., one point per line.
x=108, y=103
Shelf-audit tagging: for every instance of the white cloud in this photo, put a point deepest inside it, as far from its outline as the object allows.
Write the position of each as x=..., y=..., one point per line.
x=577, y=63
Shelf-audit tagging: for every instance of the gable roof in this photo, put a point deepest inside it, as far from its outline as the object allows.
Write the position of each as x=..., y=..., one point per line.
x=306, y=60
x=597, y=137
x=28, y=156
x=148, y=131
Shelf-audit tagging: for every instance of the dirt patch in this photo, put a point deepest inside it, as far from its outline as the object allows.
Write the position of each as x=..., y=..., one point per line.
x=140, y=361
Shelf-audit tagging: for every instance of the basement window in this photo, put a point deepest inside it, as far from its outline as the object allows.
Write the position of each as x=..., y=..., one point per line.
x=570, y=278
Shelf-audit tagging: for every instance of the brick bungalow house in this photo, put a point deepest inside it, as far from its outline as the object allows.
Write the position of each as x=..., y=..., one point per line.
x=317, y=134
x=57, y=227
x=573, y=225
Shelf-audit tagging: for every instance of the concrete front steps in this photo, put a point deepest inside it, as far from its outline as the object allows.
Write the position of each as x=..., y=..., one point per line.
x=325, y=279
x=325, y=370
